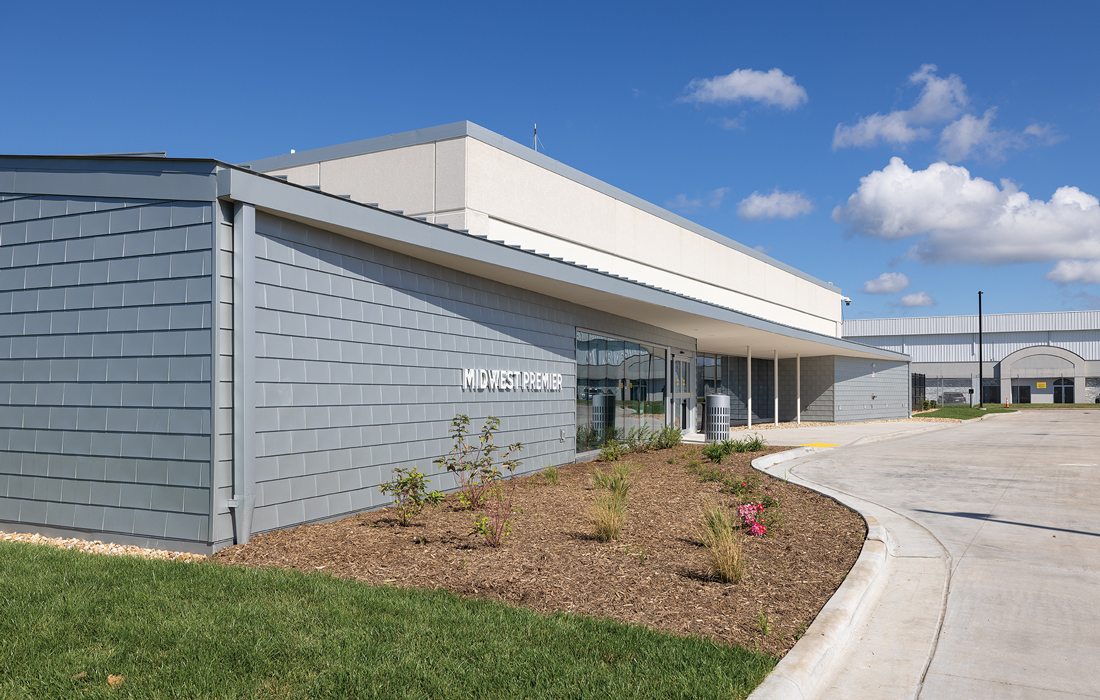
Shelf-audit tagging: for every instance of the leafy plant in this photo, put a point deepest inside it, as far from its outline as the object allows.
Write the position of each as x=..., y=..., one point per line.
x=587, y=437
x=495, y=523
x=763, y=623
x=744, y=489
x=667, y=437
x=612, y=451
x=409, y=489
x=752, y=443
x=477, y=460
x=608, y=516
x=637, y=439
x=715, y=451
x=750, y=513
x=723, y=544
x=551, y=475
x=705, y=473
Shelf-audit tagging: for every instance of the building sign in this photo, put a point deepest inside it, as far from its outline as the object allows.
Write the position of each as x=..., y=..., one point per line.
x=1040, y=385
x=510, y=380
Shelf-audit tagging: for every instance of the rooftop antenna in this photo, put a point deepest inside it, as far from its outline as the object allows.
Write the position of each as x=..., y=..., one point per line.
x=535, y=141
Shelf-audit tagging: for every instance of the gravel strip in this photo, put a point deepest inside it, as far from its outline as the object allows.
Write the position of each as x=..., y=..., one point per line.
x=97, y=547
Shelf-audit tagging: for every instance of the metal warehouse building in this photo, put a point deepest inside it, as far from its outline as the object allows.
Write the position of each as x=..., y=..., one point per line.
x=192, y=352
x=1051, y=357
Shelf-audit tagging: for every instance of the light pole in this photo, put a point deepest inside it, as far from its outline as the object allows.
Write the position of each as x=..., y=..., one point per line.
x=981, y=357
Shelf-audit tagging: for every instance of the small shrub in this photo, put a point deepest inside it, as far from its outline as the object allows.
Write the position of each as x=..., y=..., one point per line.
x=616, y=482
x=705, y=473
x=667, y=437
x=715, y=451
x=608, y=516
x=409, y=489
x=750, y=513
x=612, y=451
x=763, y=623
x=744, y=489
x=478, y=464
x=587, y=438
x=723, y=545
x=495, y=524
x=551, y=475
x=754, y=443
x=639, y=439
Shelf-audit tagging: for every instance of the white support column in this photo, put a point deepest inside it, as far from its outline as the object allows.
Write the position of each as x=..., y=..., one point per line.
x=775, y=387
x=748, y=384
x=798, y=388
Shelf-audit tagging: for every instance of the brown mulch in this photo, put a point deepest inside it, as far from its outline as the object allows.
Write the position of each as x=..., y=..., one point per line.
x=655, y=575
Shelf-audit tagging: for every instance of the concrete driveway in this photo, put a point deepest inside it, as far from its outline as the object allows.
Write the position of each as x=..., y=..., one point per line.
x=997, y=524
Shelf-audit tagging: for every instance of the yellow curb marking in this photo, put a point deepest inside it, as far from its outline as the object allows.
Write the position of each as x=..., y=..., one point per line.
x=819, y=444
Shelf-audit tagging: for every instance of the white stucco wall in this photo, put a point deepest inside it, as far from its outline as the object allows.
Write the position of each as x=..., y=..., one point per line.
x=466, y=183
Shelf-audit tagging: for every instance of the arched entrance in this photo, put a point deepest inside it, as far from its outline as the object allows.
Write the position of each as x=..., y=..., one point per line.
x=1042, y=374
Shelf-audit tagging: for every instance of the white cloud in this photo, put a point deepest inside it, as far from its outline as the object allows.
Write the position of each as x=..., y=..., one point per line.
x=712, y=199
x=962, y=136
x=1067, y=271
x=773, y=87
x=777, y=205
x=960, y=218
x=917, y=299
x=890, y=128
x=886, y=283
x=940, y=100
x=970, y=136
x=730, y=123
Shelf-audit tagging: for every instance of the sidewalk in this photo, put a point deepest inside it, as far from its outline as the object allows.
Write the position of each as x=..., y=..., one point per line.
x=988, y=582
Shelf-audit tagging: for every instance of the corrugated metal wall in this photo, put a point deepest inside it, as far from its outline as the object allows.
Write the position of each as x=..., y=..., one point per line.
x=991, y=323
x=963, y=347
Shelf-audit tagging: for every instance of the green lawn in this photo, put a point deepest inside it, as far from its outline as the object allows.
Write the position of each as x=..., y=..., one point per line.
x=68, y=619
x=963, y=412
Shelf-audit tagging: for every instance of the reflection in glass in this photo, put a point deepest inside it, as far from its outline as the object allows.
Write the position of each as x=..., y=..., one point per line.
x=631, y=374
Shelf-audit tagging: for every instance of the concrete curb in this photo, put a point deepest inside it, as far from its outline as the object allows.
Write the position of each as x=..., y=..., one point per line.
x=800, y=674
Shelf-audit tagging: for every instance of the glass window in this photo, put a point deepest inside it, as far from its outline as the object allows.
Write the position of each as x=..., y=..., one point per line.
x=620, y=386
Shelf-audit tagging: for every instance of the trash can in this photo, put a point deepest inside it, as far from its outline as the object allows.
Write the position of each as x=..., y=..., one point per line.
x=603, y=415
x=718, y=417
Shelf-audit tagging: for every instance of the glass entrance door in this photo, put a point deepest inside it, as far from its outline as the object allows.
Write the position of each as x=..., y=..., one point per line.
x=1021, y=393
x=1063, y=391
x=682, y=397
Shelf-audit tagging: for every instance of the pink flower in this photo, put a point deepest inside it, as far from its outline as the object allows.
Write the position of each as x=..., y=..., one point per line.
x=757, y=529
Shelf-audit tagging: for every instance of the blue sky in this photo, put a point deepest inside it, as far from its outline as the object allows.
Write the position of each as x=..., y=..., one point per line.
x=991, y=107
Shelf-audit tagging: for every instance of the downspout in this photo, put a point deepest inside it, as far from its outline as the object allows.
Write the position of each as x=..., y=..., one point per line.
x=244, y=359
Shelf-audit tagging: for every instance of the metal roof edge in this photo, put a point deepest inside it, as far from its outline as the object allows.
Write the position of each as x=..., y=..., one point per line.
x=241, y=184
x=472, y=130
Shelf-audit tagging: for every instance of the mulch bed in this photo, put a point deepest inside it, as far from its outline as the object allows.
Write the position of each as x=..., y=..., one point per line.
x=655, y=575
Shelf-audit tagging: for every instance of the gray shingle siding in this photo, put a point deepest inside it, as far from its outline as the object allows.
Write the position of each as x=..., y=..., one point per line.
x=869, y=389
x=358, y=371
x=105, y=370
x=818, y=374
